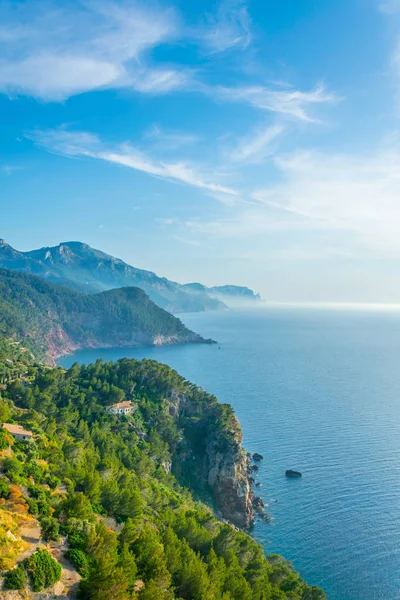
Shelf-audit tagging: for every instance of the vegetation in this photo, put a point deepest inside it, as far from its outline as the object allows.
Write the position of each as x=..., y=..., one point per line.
x=87, y=270
x=50, y=320
x=15, y=579
x=15, y=361
x=133, y=530
x=43, y=570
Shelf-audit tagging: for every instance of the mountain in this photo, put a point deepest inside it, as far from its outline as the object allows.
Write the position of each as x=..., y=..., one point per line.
x=52, y=320
x=231, y=295
x=85, y=269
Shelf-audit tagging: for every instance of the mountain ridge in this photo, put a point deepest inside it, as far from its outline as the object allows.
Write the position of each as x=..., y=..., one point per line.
x=81, y=267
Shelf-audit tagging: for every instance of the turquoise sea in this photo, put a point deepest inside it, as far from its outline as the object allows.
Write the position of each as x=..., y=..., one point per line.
x=318, y=391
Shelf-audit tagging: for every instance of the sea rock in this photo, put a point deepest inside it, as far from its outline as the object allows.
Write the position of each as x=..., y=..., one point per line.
x=258, y=504
x=292, y=473
x=257, y=456
x=265, y=516
x=254, y=468
x=258, y=484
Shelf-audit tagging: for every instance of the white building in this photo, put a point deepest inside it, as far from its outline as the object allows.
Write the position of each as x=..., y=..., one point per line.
x=121, y=408
x=18, y=432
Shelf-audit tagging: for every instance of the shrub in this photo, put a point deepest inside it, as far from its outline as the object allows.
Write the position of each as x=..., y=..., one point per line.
x=77, y=539
x=79, y=559
x=50, y=528
x=4, y=489
x=15, y=579
x=4, y=439
x=43, y=570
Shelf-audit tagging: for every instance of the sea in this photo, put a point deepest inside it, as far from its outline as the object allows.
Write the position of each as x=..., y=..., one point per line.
x=316, y=390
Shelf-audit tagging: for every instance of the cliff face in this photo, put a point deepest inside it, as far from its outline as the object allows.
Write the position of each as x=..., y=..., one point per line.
x=211, y=460
x=229, y=482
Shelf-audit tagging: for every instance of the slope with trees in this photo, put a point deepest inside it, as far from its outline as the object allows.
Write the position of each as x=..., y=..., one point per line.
x=105, y=485
x=52, y=320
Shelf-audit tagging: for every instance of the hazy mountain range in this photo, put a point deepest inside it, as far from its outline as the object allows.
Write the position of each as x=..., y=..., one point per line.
x=78, y=266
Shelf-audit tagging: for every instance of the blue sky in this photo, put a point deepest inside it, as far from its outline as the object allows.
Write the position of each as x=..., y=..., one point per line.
x=254, y=143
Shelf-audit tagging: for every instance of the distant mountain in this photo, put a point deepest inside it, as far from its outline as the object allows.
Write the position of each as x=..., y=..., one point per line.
x=52, y=320
x=85, y=269
x=231, y=295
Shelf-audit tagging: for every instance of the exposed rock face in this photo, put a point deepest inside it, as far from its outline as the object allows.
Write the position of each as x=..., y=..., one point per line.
x=228, y=480
x=211, y=459
x=258, y=504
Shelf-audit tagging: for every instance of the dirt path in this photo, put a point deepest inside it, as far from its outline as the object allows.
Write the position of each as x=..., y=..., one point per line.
x=32, y=535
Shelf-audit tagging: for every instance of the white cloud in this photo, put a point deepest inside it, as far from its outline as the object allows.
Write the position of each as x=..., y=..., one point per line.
x=52, y=50
x=161, y=81
x=229, y=28
x=289, y=103
x=51, y=77
x=86, y=144
x=329, y=204
x=256, y=147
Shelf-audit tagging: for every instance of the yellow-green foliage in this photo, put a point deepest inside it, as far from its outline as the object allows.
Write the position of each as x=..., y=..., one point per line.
x=11, y=544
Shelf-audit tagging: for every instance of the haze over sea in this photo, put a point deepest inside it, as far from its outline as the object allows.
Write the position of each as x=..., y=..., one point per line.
x=316, y=390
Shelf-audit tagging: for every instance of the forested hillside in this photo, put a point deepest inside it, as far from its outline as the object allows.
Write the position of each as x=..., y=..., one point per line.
x=52, y=320
x=108, y=491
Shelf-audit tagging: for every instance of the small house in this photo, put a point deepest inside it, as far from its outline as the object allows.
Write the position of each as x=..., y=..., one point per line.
x=121, y=408
x=18, y=432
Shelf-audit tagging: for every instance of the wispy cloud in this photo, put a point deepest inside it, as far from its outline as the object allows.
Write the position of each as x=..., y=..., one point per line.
x=227, y=29
x=291, y=103
x=258, y=146
x=169, y=139
x=54, y=50
x=81, y=144
x=330, y=204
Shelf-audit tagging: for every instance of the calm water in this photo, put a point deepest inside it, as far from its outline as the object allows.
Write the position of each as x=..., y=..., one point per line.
x=317, y=391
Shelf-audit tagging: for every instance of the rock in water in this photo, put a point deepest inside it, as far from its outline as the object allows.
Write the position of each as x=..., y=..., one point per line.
x=292, y=473
x=257, y=456
x=258, y=504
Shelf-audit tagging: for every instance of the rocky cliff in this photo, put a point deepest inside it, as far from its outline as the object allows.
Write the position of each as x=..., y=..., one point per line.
x=210, y=458
x=229, y=481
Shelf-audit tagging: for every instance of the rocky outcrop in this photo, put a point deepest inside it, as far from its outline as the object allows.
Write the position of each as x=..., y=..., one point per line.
x=210, y=458
x=228, y=480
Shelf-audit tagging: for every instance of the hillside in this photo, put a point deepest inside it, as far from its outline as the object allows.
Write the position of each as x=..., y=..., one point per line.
x=105, y=493
x=77, y=265
x=52, y=320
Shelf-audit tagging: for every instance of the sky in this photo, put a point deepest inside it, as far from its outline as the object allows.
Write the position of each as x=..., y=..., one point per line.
x=247, y=142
